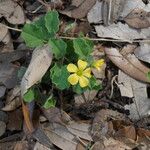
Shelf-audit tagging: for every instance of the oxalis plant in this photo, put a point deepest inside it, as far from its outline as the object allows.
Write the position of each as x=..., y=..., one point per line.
x=72, y=64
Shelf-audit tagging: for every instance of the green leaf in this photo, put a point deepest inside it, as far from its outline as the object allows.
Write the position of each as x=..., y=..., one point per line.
x=52, y=21
x=148, y=75
x=71, y=56
x=59, y=76
x=58, y=47
x=83, y=47
x=77, y=89
x=29, y=96
x=50, y=102
x=40, y=23
x=94, y=84
x=33, y=35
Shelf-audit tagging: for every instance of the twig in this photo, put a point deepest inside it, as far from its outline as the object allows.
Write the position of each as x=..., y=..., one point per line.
x=15, y=29
x=108, y=40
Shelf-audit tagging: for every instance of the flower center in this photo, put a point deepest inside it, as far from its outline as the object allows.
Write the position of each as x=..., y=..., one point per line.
x=79, y=72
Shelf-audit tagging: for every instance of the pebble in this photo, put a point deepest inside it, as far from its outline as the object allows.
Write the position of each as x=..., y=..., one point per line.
x=2, y=128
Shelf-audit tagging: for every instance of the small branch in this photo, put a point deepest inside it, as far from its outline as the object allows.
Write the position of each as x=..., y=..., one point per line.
x=15, y=29
x=108, y=40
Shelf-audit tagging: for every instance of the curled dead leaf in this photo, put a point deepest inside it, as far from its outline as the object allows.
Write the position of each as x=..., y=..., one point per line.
x=128, y=63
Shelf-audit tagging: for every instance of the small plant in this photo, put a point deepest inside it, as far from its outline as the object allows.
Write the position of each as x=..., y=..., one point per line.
x=72, y=63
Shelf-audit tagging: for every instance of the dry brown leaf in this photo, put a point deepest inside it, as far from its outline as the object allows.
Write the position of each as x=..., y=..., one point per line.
x=55, y=115
x=94, y=15
x=80, y=130
x=143, y=52
x=138, y=19
x=122, y=32
x=2, y=128
x=61, y=137
x=40, y=62
x=2, y=91
x=21, y=145
x=3, y=32
x=80, y=11
x=12, y=94
x=12, y=105
x=39, y=146
x=12, y=12
x=111, y=10
x=15, y=120
x=136, y=90
x=100, y=125
x=128, y=63
x=143, y=132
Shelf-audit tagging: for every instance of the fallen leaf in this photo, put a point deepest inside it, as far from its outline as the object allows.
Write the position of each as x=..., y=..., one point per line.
x=138, y=19
x=8, y=71
x=15, y=120
x=143, y=132
x=21, y=145
x=132, y=5
x=2, y=128
x=12, y=105
x=12, y=94
x=55, y=115
x=100, y=125
x=111, y=10
x=61, y=137
x=7, y=145
x=122, y=32
x=39, y=146
x=128, y=63
x=2, y=91
x=80, y=130
x=143, y=52
x=136, y=90
x=12, y=12
x=3, y=32
x=40, y=62
x=80, y=11
x=94, y=15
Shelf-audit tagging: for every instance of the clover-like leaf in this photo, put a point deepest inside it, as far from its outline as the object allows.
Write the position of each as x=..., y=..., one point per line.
x=83, y=47
x=58, y=47
x=52, y=21
x=50, y=102
x=59, y=76
x=29, y=96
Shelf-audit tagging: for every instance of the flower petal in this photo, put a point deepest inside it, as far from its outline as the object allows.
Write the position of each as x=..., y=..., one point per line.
x=82, y=64
x=98, y=64
x=83, y=81
x=72, y=68
x=87, y=72
x=73, y=79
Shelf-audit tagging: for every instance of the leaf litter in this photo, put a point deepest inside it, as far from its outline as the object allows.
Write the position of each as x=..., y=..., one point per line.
x=85, y=121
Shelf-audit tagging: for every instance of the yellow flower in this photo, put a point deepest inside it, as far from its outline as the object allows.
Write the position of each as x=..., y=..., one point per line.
x=80, y=73
x=98, y=63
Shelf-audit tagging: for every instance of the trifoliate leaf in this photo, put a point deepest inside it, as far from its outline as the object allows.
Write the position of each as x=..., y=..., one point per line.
x=50, y=102
x=58, y=47
x=33, y=35
x=83, y=47
x=52, y=21
x=29, y=96
x=94, y=84
x=59, y=76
